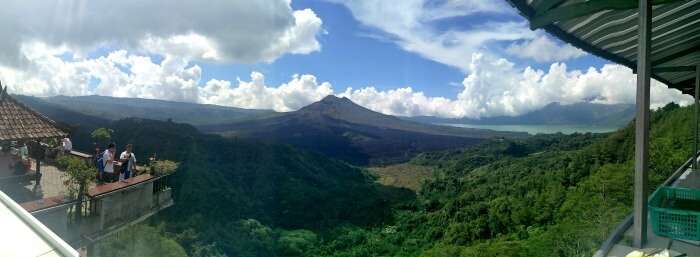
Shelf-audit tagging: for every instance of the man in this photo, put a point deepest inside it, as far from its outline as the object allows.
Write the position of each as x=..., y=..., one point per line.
x=128, y=160
x=108, y=159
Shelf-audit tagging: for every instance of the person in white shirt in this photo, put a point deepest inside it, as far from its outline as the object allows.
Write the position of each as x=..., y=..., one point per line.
x=108, y=159
x=67, y=144
x=128, y=160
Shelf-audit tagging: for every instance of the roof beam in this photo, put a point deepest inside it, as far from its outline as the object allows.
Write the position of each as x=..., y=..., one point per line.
x=576, y=10
x=673, y=69
x=676, y=55
x=544, y=5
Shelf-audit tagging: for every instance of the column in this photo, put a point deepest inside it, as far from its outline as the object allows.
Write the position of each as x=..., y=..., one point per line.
x=695, y=125
x=641, y=151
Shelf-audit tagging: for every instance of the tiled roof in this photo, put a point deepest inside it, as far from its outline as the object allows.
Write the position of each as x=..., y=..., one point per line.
x=19, y=122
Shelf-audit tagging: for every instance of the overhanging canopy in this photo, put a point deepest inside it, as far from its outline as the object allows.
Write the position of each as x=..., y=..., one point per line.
x=608, y=28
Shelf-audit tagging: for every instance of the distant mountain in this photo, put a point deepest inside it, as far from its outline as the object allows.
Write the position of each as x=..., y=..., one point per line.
x=67, y=119
x=612, y=115
x=342, y=129
x=112, y=108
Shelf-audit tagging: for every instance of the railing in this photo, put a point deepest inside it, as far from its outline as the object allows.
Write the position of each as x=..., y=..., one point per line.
x=160, y=185
x=619, y=231
x=89, y=208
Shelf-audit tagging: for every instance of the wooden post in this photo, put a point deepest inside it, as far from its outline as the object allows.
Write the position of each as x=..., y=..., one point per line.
x=641, y=149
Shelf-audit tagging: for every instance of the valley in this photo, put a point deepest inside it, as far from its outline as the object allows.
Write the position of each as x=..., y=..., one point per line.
x=504, y=195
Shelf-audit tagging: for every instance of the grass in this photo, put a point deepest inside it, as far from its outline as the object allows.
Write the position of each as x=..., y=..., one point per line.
x=403, y=175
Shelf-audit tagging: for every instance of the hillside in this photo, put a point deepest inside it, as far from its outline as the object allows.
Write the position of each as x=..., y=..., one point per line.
x=609, y=115
x=224, y=186
x=113, y=108
x=549, y=195
x=546, y=195
x=341, y=129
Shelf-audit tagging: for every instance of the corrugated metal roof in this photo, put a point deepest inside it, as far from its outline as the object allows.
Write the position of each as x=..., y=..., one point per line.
x=609, y=30
x=19, y=122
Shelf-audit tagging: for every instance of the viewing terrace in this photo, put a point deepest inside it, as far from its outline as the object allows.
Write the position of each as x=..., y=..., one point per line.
x=30, y=176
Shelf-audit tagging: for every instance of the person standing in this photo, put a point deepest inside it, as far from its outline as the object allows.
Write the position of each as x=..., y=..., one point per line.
x=108, y=159
x=128, y=160
x=67, y=145
x=97, y=159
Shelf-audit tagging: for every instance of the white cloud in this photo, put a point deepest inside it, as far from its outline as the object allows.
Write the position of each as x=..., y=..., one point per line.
x=493, y=87
x=402, y=101
x=544, y=49
x=231, y=31
x=427, y=28
x=411, y=24
x=119, y=74
x=301, y=90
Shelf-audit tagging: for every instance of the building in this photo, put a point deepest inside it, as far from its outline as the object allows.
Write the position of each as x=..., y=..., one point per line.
x=38, y=217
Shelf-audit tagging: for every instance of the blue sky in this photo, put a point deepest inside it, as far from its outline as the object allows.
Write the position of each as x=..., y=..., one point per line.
x=448, y=58
x=383, y=63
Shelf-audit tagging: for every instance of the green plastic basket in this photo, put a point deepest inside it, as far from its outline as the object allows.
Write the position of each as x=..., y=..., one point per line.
x=675, y=213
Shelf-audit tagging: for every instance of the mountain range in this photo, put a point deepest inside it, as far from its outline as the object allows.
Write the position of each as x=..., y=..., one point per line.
x=607, y=115
x=112, y=108
x=335, y=127
x=341, y=129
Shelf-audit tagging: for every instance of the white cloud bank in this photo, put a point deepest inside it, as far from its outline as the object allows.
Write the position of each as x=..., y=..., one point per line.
x=217, y=30
x=493, y=87
x=496, y=87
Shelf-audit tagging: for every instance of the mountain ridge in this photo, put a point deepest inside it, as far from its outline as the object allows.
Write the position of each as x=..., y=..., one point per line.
x=116, y=108
x=613, y=115
x=342, y=129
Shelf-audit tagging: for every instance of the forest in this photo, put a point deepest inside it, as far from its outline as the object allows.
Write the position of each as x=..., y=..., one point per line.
x=546, y=195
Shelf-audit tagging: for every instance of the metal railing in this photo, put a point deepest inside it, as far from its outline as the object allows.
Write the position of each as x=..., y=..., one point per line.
x=620, y=230
x=161, y=184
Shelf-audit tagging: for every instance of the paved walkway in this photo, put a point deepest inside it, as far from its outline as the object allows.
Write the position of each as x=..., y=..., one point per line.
x=25, y=189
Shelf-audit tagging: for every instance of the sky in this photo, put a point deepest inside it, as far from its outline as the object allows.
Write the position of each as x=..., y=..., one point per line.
x=446, y=58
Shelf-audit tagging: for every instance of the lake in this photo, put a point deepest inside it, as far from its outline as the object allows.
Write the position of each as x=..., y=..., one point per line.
x=540, y=129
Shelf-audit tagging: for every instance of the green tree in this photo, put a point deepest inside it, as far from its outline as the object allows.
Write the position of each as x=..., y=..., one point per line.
x=102, y=135
x=79, y=175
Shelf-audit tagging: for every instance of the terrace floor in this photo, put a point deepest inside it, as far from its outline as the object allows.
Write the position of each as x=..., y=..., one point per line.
x=24, y=187
x=689, y=179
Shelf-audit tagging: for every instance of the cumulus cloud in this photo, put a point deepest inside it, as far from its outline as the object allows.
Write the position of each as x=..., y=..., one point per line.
x=121, y=74
x=116, y=74
x=544, y=49
x=300, y=91
x=494, y=86
x=232, y=31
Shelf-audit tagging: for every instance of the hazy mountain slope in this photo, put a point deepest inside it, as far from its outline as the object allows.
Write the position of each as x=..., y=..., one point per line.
x=614, y=115
x=119, y=108
x=78, y=124
x=342, y=129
